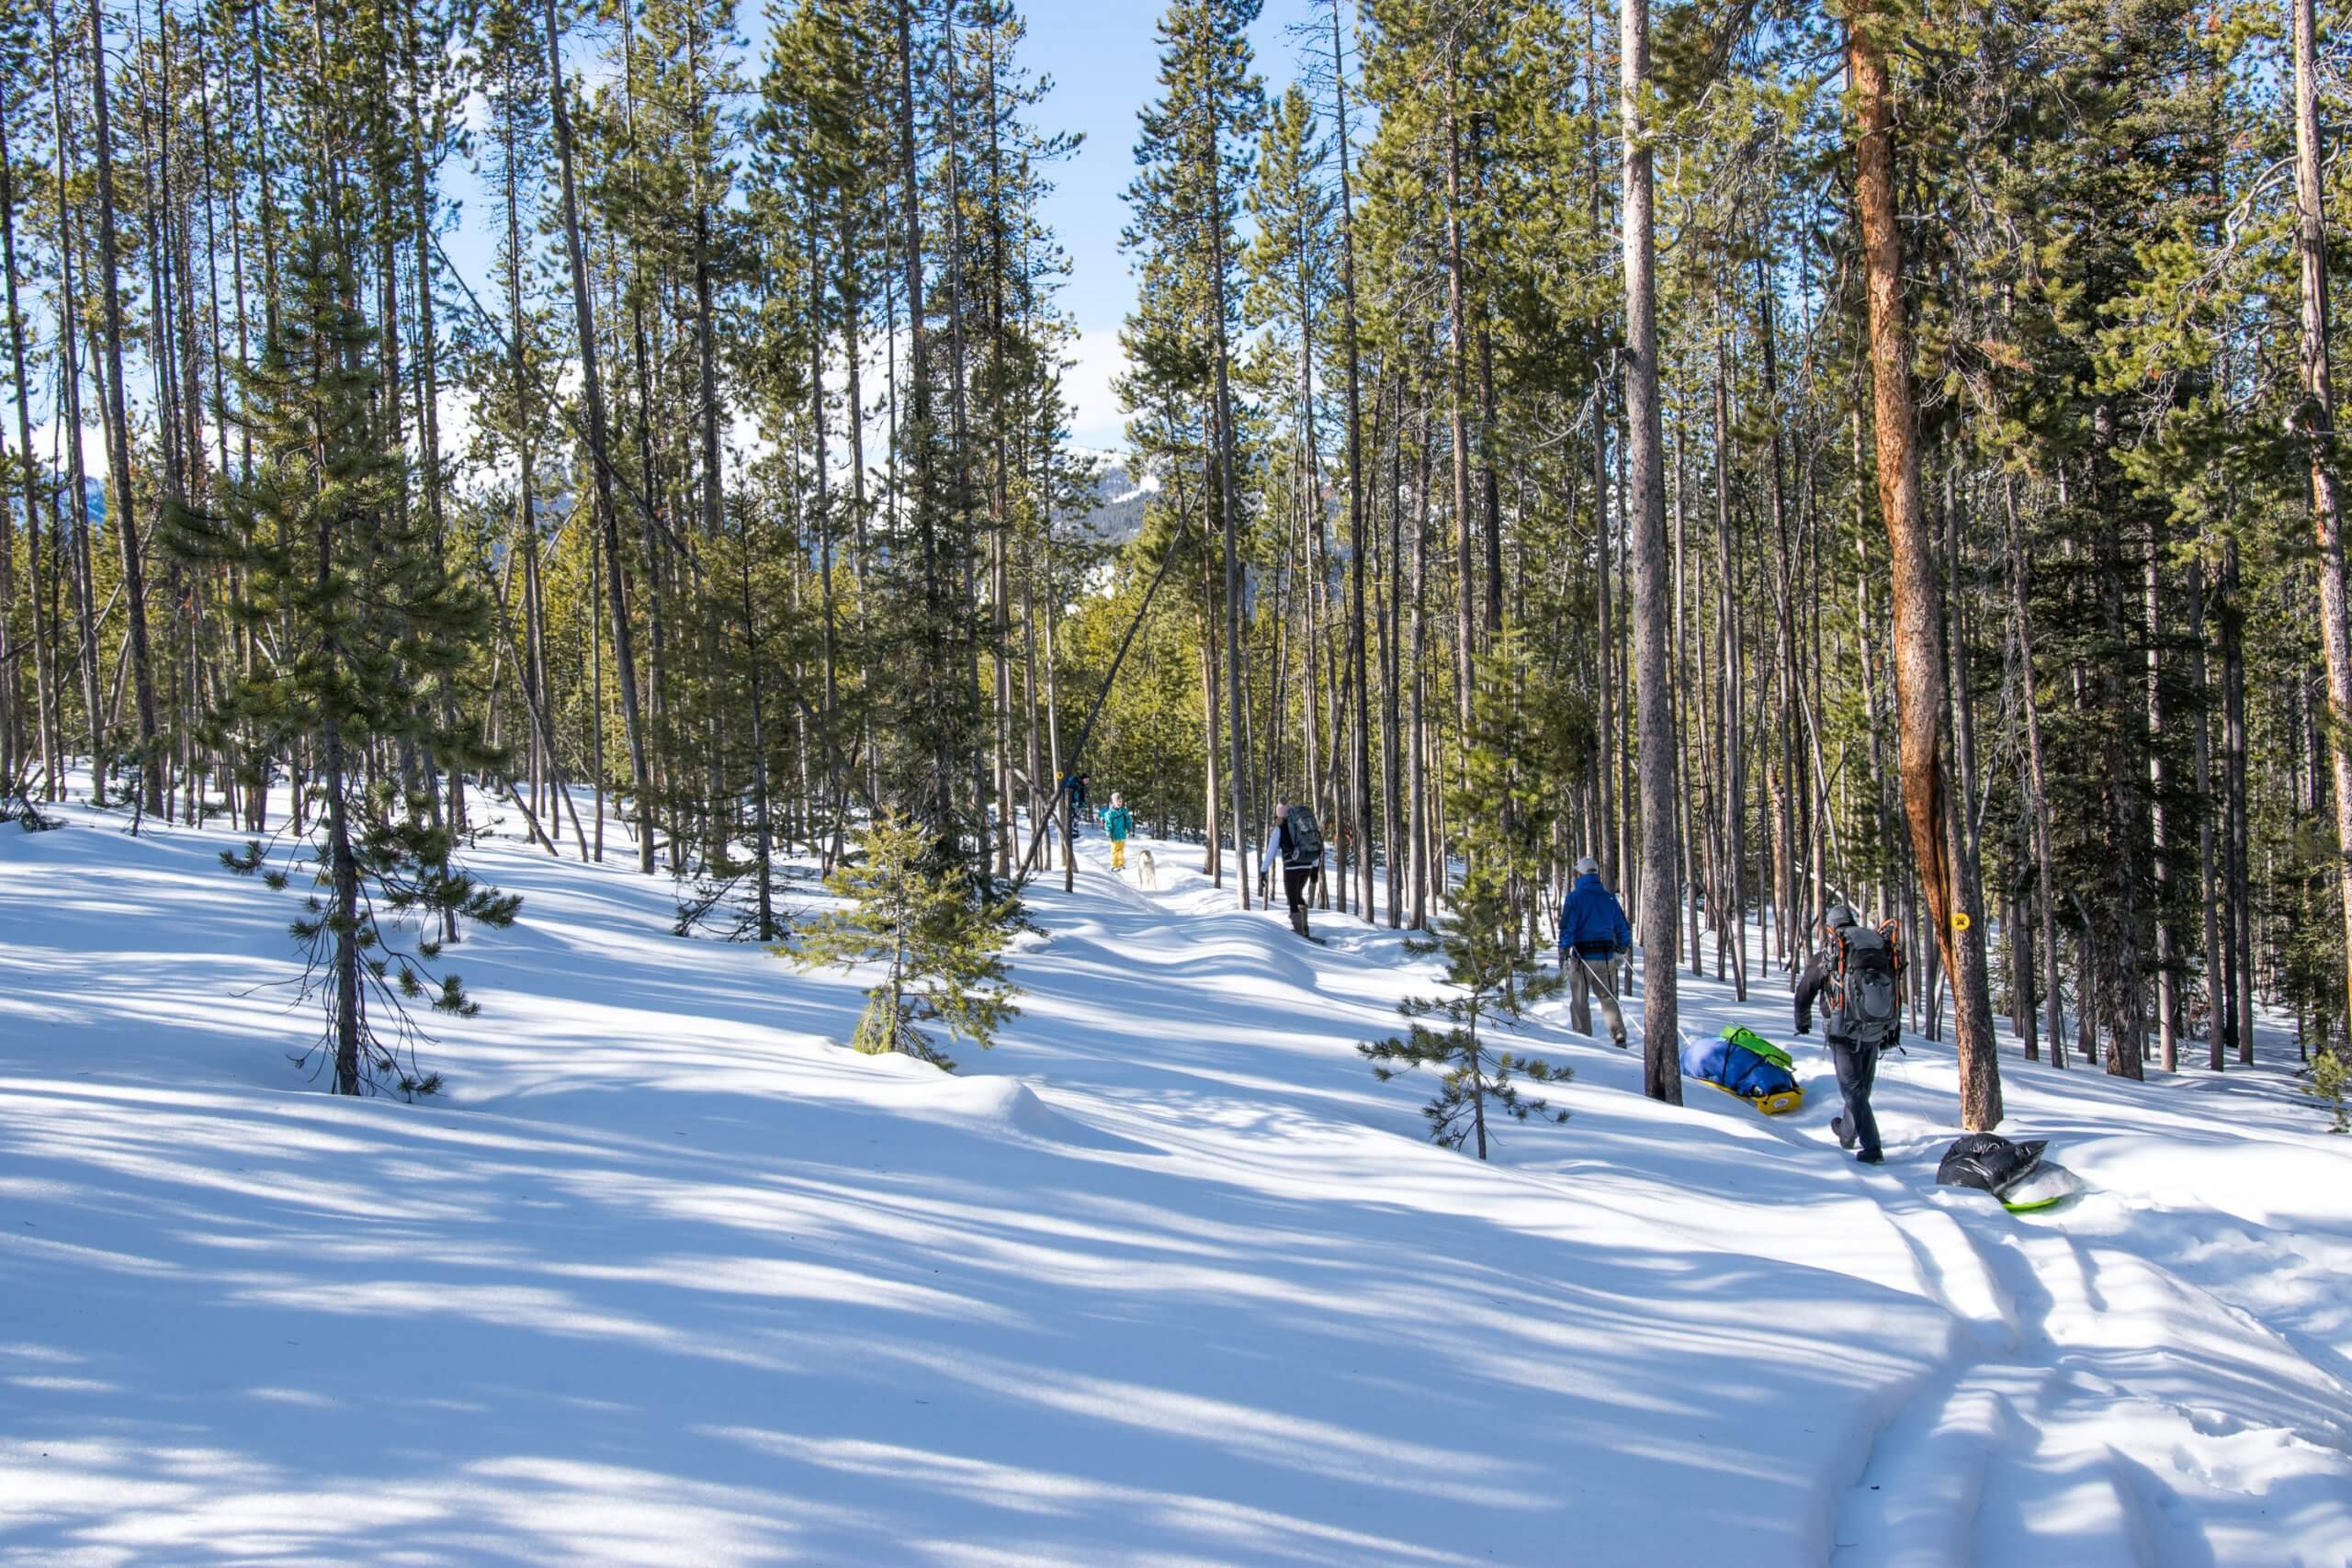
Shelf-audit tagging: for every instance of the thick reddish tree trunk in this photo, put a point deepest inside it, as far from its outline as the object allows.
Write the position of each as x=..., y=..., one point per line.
x=1919, y=665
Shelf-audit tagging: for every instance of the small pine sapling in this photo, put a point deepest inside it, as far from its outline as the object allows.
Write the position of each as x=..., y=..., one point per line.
x=1493, y=979
x=721, y=894
x=1528, y=729
x=402, y=864
x=937, y=933
x=17, y=806
x=2329, y=1079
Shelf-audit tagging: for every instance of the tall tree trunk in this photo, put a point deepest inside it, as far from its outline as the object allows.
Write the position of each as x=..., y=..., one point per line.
x=591, y=387
x=2238, y=903
x=2167, y=1004
x=1425, y=850
x=1919, y=630
x=1384, y=664
x=2208, y=881
x=44, y=680
x=716, y=819
x=2037, y=805
x=1608, y=697
x=1458, y=372
x=1796, y=937
x=1000, y=490
x=1731, y=920
x=2315, y=419
x=943, y=761
x=75, y=503
x=1355, y=491
x=1229, y=512
x=1661, y=893
x=121, y=517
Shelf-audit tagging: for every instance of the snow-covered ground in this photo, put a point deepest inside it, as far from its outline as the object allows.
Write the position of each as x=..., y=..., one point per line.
x=1167, y=1278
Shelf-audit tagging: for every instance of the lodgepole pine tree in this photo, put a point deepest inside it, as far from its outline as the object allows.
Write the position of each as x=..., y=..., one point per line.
x=1918, y=616
x=599, y=456
x=1661, y=901
x=1192, y=156
x=364, y=621
x=122, y=517
x=2315, y=421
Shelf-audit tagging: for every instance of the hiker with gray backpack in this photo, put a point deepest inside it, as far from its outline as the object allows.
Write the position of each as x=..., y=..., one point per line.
x=1296, y=843
x=1856, y=977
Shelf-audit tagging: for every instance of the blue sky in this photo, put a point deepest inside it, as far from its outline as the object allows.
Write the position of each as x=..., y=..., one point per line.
x=1102, y=57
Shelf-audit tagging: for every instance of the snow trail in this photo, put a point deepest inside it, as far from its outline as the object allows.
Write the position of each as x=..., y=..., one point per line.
x=1167, y=1277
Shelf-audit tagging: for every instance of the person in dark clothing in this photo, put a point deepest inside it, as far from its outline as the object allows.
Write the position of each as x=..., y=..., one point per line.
x=1300, y=866
x=1593, y=932
x=1856, y=1065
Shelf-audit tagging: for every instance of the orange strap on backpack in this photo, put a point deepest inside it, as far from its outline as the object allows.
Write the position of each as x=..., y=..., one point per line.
x=1890, y=931
x=1836, y=986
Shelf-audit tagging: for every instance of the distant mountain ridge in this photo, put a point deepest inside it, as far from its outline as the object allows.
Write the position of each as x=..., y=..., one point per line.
x=1115, y=515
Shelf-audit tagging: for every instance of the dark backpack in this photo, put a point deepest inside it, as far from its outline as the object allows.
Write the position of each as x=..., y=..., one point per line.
x=1865, y=1003
x=1305, y=837
x=1989, y=1162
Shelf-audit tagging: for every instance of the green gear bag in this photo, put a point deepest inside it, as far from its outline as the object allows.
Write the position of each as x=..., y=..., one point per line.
x=1748, y=1039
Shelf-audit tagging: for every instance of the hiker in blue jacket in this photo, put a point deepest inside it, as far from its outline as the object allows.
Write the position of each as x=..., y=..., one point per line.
x=1593, y=933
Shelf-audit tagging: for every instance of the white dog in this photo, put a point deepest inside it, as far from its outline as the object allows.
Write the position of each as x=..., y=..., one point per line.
x=1146, y=874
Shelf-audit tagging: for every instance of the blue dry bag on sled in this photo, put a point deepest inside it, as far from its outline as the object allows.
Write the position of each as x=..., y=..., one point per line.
x=1744, y=1064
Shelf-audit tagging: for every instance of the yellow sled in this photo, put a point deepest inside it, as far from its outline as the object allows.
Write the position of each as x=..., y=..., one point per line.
x=1779, y=1104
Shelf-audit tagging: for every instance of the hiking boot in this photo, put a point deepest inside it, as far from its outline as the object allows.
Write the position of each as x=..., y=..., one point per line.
x=1298, y=921
x=1870, y=1156
x=1837, y=1126
x=1619, y=1038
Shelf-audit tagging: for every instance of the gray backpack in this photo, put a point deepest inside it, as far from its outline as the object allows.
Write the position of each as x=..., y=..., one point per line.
x=1305, y=837
x=1865, y=1003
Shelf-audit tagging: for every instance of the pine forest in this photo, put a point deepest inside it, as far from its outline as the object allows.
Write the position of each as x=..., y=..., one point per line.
x=1793, y=454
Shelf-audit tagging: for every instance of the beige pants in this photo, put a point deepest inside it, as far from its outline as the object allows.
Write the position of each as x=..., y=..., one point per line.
x=1592, y=980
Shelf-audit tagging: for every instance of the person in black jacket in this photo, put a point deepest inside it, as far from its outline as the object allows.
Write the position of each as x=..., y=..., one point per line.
x=1856, y=1065
x=1301, y=865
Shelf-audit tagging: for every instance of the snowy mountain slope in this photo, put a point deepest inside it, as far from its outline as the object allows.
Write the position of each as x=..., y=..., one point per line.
x=1166, y=1278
